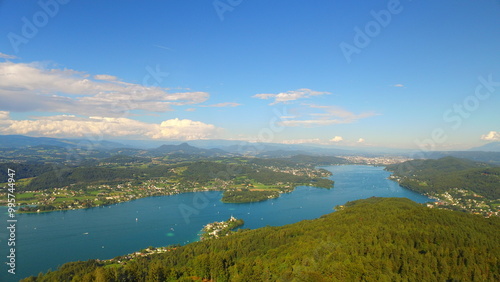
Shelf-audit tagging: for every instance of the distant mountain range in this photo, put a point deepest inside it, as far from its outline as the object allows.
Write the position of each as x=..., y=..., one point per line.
x=492, y=158
x=489, y=153
x=490, y=147
x=21, y=141
x=185, y=148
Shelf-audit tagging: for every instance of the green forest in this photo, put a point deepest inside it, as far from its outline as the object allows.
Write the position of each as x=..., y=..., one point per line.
x=376, y=239
x=440, y=175
x=456, y=184
x=247, y=196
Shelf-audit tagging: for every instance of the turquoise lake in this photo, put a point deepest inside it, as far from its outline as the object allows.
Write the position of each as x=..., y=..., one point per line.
x=45, y=241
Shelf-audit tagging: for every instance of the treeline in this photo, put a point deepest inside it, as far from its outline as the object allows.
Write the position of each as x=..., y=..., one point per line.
x=203, y=172
x=124, y=159
x=247, y=196
x=429, y=167
x=298, y=161
x=206, y=171
x=81, y=176
x=438, y=176
x=23, y=170
x=377, y=239
x=269, y=177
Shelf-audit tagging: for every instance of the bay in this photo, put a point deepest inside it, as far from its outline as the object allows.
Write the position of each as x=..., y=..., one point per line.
x=45, y=241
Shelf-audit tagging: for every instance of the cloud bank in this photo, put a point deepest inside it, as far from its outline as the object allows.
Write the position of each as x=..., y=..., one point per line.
x=73, y=126
x=34, y=87
x=222, y=105
x=302, y=141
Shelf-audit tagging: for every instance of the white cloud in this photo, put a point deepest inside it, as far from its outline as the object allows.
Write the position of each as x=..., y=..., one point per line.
x=163, y=47
x=361, y=140
x=290, y=95
x=491, y=136
x=398, y=85
x=221, y=105
x=5, y=56
x=105, y=77
x=264, y=96
x=64, y=90
x=72, y=126
x=335, y=111
x=184, y=129
x=310, y=122
x=4, y=115
x=336, y=139
x=302, y=141
x=329, y=115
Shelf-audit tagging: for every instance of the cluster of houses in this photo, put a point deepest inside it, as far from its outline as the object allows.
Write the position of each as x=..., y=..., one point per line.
x=218, y=228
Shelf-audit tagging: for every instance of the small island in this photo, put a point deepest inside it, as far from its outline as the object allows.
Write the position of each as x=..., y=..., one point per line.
x=246, y=196
x=220, y=228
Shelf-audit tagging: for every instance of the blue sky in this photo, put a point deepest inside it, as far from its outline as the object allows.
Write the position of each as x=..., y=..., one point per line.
x=403, y=74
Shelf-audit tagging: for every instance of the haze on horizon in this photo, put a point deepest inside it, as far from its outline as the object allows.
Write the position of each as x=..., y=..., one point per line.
x=401, y=74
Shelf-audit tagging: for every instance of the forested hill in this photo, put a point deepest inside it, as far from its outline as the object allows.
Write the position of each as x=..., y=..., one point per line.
x=438, y=176
x=377, y=239
x=456, y=184
x=427, y=167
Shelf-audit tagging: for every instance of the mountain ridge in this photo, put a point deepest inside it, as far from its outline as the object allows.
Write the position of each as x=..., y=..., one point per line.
x=490, y=147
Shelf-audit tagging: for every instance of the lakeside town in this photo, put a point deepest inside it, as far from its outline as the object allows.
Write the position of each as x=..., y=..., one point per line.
x=461, y=200
x=122, y=260
x=466, y=200
x=376, y=161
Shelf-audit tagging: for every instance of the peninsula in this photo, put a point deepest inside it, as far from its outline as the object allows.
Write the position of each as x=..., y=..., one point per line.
x=220, y=228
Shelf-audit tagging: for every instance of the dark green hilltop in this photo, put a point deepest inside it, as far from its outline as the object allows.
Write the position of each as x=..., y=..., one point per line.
x=376, y=239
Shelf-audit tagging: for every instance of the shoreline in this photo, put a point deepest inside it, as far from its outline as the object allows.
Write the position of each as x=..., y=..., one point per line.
x=170, y=193
x=149, y=196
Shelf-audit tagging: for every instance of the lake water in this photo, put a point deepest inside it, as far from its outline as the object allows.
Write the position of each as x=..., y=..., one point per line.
x=50, y=239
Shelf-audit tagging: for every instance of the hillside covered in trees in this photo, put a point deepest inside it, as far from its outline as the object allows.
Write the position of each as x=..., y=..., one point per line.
x=458, y=184
x=376, y=239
